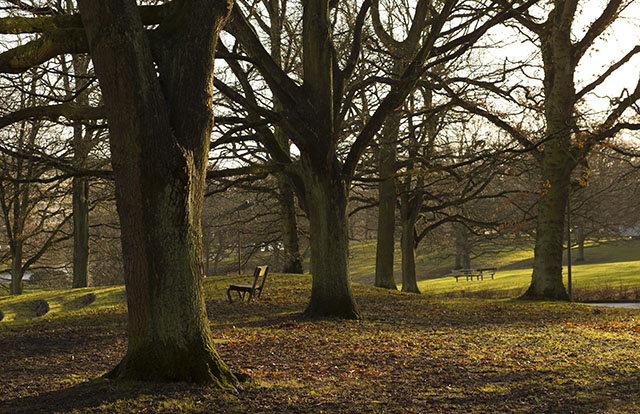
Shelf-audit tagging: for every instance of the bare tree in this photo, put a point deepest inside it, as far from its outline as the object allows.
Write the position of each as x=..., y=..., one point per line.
x=157, y=92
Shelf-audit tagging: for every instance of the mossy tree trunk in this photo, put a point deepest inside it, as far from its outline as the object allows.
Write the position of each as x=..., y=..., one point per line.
x=546, y=281
x=566, y=143
x=557, y=162
x=159, y=136
x=331, y=293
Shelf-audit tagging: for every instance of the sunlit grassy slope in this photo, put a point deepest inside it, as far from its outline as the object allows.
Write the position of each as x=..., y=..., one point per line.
x=61, y=302
x=611, y=271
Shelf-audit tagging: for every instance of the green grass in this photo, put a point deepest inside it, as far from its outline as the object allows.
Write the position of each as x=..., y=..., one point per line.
x=64, y=302
x=608, y=273
x=409, y=354
x=453, y=349
x=611, y=271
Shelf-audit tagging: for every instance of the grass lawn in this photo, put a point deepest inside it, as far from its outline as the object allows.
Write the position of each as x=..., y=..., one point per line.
x=611, y=271
x=409, y=354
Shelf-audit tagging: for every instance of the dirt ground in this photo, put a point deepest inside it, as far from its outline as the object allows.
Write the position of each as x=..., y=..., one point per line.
x=409, y=354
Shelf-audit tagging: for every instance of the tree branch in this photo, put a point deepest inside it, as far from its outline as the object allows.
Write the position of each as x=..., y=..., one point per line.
x=600, y=25
x=53, y=112
x=47, y=46
x=606, y=74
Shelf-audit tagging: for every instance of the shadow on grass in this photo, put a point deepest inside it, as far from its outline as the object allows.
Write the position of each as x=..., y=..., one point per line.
x=102, y=395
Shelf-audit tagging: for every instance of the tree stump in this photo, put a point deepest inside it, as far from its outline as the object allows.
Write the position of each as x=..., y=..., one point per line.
x=87, y=299
x=41, y=307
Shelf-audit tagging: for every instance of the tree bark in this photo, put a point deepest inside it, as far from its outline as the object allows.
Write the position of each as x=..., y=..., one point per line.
x=15, y=288
x=326, y=188
x=331, y=293
x=409, y=212
x=292, y=257
x=581, y=238
x=80, y=186
x=387, y=204
x=463, y=259
x=546, y=280
x=557, y=162
x=159, y=136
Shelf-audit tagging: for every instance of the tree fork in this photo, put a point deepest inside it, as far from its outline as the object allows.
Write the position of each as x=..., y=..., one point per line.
x=159, y=143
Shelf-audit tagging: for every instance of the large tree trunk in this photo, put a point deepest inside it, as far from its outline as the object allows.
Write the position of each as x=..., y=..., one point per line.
x=557, y=160
x=546, y=281
x=331, y=293
x=159, y=145
x=387, y=204
x=325, y=186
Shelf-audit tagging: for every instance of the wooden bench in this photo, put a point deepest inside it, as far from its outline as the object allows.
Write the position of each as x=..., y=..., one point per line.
x=255, y=289
x=469, y=274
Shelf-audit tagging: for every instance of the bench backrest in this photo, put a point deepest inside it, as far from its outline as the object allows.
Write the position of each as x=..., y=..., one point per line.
x=259, y=277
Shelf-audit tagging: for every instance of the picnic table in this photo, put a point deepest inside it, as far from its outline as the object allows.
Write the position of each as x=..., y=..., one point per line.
x=478, y=273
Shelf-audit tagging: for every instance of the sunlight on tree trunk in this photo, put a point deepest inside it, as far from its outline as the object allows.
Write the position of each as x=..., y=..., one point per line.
x=159, y=146
x=331, y=293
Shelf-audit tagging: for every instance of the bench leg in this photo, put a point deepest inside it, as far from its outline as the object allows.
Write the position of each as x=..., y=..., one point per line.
x=229, y=295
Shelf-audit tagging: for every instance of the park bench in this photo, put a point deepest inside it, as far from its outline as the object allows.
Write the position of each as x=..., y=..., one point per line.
x=469, y=274
x=254, y=289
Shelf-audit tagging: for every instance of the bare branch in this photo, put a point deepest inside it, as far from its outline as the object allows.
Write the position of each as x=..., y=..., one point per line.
x=53, y=112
